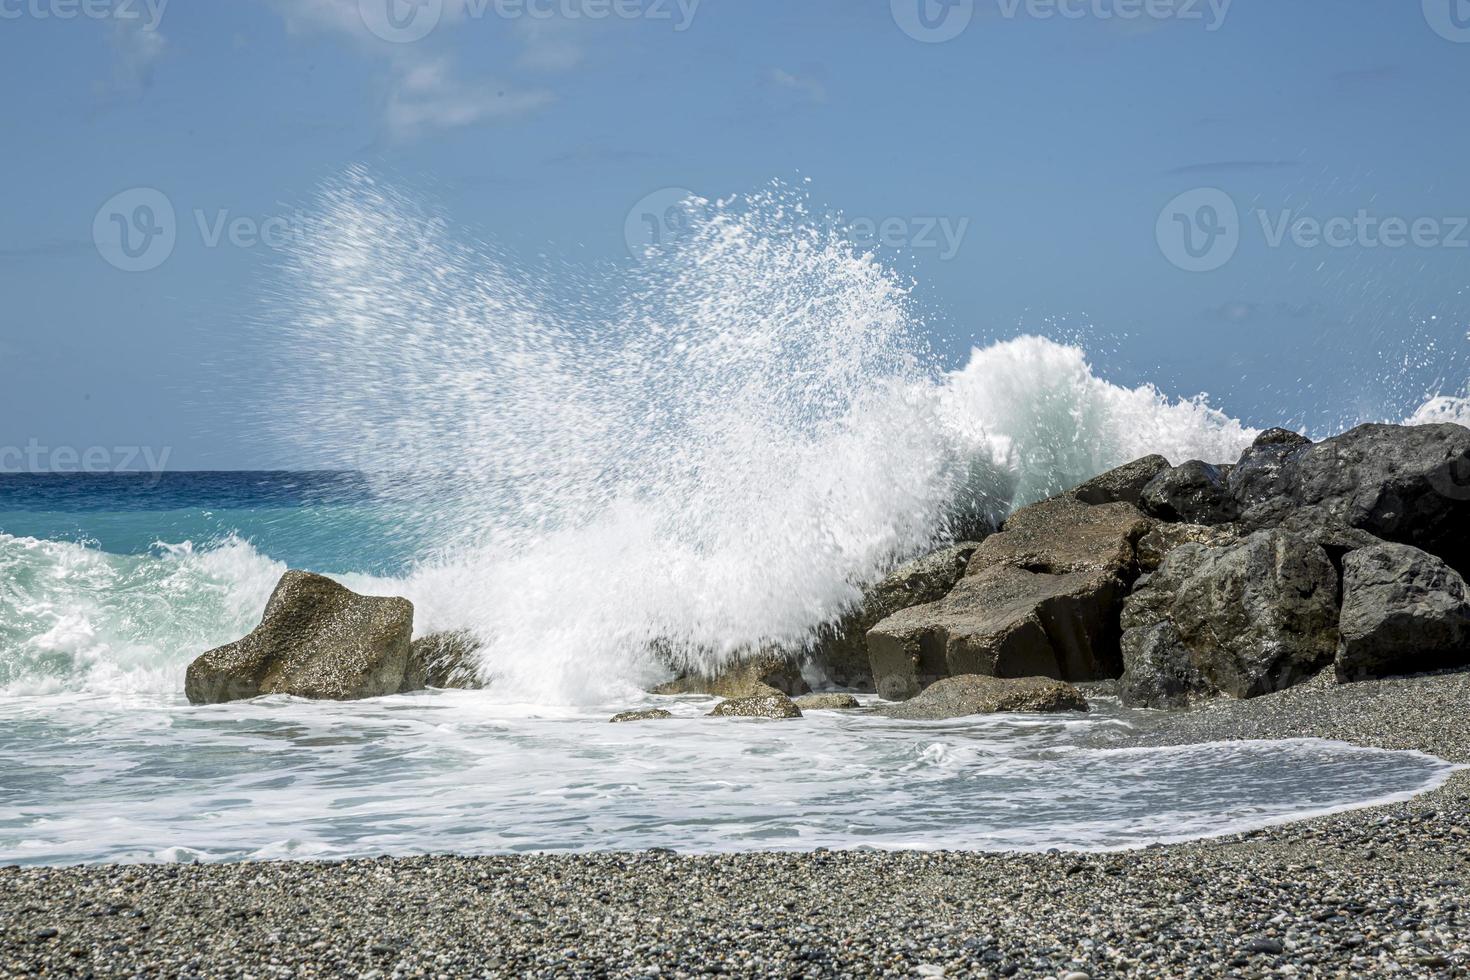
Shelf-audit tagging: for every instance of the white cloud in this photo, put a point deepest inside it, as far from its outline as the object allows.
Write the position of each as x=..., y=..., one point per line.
x=811, y=88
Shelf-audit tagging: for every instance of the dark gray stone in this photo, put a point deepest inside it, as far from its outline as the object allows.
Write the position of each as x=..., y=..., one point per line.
x=1281, y=437
x=1194, y=493
x=650, y=714
x=1253, y=617
x=1123, y=485
x=1160, y=672
x=316, y=640
x=1407, y=484
x=765, y=673
x=1155, y=546
x=1403, y=611
x=969, y=694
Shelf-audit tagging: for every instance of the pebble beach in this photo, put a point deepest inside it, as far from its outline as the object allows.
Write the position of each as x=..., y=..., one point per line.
x=1374, y=892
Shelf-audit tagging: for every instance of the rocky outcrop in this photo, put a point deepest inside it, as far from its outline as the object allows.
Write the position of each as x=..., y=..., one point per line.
x=826, y=702
x=1245, y=619
x=651, y=714
x=1194, y=493
x=1002, y=622
x=969, y=694
x=1123, y=485
x=769, y=706
x=1403, y=611
x=316, y=640
x=448, y=661
x=1155, y=546
x=841, y=650
x=1406, y=484
x=1061, y=536
x=1040, y=598
x=765, y=673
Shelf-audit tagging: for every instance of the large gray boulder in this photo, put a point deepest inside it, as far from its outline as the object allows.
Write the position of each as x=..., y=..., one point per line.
x=1039, y=598
x=1403, y=611
x=1002, y=622
x=1245, y=619
x=1123, y=485
x=1061, y=535
x=969, y=694
x=760, y=674
x=1155, y=546
x=841, y=650
x=316, y=640
x=1194, y=493
x=1407, y=484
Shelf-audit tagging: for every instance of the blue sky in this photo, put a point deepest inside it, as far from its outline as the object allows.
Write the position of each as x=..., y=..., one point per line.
x=1035, y=164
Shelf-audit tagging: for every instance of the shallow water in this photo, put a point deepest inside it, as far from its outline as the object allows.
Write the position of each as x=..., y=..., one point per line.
x=149, y=778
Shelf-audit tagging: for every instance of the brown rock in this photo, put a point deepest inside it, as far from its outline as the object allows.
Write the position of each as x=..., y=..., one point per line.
x=969, y=694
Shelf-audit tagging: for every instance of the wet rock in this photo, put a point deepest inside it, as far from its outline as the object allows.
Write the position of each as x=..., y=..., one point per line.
x=1122, y=485
x=1253, y=617
x=969, y=694
x=1160, y=671
x=1155, y=546
x=841, y=651
x=826, y=702
x=768, y=706
x=447, y=661
x=651, y=714
x=1407, y=484
x=1281, y=437
x=1194, y=493
x=1002, y=622
x=1061, y=535
x=765, y=673
x=316, y=640
x=1403, y=611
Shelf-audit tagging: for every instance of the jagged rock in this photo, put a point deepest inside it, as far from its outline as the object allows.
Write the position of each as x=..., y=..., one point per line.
x=841, y=651
x=1253, y=617
x=969, y=694
x=1194, y=493
x=1123, y=485
x=1160, y=671
x=1407, y=484
x=1281, y=437
x=765, y=673
x=1403, y=611
x=768, y=706
x=1155, y=546
x=316, y=640
x=826, y=702
x=1002, y=622
x=446, y=661
x=651, y=714
x=1061, y=535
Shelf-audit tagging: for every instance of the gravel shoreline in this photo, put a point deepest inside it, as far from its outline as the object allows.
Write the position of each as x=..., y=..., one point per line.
x=1376, y=892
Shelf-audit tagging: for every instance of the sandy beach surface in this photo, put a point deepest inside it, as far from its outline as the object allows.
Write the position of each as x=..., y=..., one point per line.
x=1374, y=892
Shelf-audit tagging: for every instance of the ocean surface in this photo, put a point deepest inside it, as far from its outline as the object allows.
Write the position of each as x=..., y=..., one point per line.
x=715, y=449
